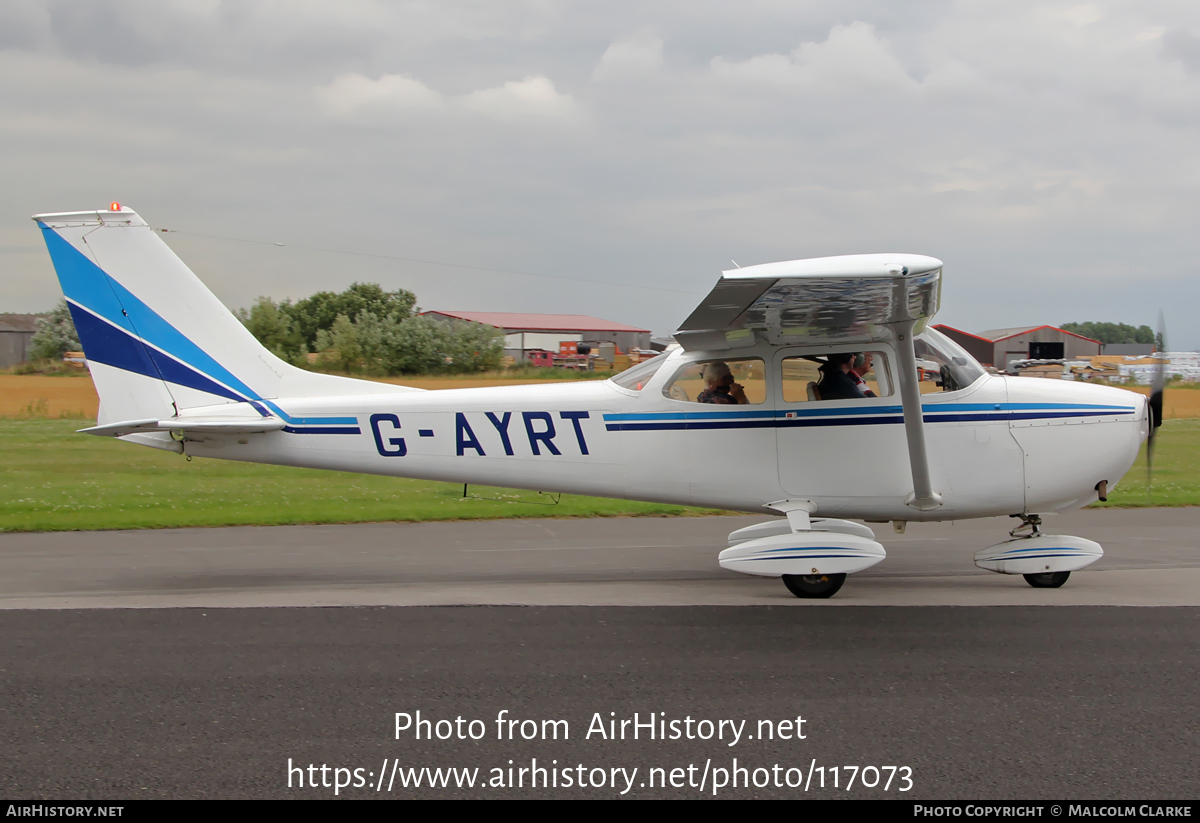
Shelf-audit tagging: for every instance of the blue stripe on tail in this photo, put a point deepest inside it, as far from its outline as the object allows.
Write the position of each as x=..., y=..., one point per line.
x=137, y=339
x=91, y=287
x=105, y=343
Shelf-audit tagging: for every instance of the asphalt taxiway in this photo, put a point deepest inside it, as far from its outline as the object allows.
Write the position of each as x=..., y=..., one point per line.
x=1152, y=557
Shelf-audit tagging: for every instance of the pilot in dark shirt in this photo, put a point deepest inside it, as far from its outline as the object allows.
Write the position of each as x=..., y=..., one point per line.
x=837, y=381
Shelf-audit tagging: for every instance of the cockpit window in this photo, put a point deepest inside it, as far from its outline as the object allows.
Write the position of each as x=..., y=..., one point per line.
x=844, y=376
x=723, y=382
x=637, y=377
x=944, y=364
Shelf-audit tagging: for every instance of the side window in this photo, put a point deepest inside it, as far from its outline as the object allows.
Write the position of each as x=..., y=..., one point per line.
x=720, y=382
x=835, y=376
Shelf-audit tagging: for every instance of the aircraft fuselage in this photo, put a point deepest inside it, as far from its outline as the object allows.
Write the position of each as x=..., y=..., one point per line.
x=999, y=446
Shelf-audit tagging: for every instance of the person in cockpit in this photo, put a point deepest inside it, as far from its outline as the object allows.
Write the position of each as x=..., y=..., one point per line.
x=720, y=387
x=858, y=372
x=837, y=380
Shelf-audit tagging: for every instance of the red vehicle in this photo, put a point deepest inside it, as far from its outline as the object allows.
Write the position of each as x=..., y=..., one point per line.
x=541, y=357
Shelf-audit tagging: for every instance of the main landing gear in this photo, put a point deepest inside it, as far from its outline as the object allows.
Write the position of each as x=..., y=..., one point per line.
x=813, y=555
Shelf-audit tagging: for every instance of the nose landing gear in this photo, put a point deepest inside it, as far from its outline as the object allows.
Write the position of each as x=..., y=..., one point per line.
x=1044, y=560
x=813, y=585
x=1047, y=580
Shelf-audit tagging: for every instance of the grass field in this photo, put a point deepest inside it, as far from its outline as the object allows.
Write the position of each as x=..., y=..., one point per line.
x=56, y=480
x=1176, y=479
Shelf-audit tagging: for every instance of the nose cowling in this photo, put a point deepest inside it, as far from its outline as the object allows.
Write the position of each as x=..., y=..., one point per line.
x=1073, y=436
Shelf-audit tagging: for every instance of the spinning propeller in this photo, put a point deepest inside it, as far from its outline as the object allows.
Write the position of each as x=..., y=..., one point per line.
x=1157, y=387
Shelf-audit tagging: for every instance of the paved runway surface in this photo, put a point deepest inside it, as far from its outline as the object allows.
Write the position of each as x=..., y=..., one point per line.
x=978, y=702
x=1152, y=557
x=998, y=701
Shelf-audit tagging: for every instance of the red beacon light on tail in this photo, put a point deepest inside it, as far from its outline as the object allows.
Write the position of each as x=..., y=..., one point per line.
x=114, y=206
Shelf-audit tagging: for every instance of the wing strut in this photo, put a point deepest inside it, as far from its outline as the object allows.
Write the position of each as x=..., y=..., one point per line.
x=923, y=497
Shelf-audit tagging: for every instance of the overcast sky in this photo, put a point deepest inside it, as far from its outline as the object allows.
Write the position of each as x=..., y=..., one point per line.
x=1048, y=153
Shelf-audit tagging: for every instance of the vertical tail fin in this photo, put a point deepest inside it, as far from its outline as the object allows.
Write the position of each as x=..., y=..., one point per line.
x=156, y=339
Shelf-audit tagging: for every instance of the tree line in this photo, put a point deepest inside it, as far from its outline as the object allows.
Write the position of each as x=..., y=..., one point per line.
x=362, y=330
x=1115, y=333
x=369, y=330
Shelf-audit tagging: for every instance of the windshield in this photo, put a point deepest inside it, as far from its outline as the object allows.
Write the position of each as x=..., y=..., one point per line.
x=947, y=363
x=638, y=376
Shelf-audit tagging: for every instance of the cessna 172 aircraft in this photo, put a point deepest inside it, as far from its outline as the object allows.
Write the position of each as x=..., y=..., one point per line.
x=771, y=350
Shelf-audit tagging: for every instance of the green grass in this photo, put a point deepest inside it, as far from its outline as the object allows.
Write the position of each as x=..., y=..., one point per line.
x=57, y=480
x=1176, y=470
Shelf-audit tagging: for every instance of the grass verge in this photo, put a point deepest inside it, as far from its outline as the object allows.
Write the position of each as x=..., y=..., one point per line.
x=56, y=480
x=1176, y=471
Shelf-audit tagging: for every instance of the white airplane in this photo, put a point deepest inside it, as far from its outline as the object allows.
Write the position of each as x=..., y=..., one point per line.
x=768, y=349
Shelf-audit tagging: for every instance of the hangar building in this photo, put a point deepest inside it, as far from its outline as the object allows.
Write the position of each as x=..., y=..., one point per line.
x=999, y=347
x=525, y=332
x=16, y=334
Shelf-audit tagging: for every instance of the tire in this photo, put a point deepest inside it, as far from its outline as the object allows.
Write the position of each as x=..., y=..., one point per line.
x=1047, y=580
x=814, y=585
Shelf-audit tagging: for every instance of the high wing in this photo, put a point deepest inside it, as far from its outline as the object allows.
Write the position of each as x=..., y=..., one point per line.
x=853, y=298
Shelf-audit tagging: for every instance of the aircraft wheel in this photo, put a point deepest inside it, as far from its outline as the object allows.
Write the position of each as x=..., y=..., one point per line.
x=814, y=585
x=1047, y=580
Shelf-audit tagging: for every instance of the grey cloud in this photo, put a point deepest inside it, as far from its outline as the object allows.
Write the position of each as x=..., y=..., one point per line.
x=24, y=24
x=1037, y=155
x=1183, y=46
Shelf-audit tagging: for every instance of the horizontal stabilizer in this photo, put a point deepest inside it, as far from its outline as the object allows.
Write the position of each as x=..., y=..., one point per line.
x=209, y=425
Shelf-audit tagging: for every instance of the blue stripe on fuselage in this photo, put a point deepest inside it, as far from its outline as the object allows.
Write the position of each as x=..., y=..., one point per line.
x=930, y=408
x=872, y=415
x=307, y=421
